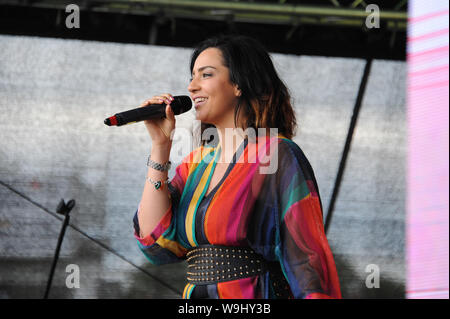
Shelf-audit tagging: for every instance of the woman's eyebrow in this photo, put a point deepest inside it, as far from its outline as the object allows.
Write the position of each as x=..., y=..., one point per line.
x=204, y=67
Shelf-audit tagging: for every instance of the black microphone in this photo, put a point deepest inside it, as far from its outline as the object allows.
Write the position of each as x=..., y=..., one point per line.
x=180, y=104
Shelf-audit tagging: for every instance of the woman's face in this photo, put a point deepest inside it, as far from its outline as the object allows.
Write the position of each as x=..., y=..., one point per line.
x=215, y=97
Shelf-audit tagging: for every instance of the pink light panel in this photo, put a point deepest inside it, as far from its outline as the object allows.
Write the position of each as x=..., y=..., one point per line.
x=428, y=150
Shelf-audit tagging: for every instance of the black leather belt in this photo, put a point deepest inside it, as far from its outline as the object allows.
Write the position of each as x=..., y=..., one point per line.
x=212, y=264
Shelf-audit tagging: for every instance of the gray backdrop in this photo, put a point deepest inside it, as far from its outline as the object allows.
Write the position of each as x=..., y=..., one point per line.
x=54, y=96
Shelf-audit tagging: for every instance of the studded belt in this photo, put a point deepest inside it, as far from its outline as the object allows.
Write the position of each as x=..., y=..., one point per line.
x=212, y=264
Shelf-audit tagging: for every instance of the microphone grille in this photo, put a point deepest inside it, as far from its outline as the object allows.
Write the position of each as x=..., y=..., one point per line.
x=181, y=104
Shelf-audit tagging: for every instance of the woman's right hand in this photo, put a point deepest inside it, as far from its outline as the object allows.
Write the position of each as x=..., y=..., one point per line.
x=160, y=130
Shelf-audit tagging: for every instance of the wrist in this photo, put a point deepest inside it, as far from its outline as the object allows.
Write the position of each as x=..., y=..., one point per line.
x=162, y=147
x=160, y=152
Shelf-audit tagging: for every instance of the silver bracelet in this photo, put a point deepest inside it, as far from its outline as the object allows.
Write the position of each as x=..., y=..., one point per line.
x=158, y=184
x=158, y=166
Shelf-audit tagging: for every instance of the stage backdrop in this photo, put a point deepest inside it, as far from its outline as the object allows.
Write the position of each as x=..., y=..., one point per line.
x=54, y=96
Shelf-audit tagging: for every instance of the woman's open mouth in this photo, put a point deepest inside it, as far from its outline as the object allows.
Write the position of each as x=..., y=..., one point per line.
x=199, y=101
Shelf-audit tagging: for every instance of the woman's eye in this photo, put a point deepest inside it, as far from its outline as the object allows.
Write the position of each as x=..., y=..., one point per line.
x=204, y=75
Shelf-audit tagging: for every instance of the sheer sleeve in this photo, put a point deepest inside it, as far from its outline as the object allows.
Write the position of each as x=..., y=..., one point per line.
x=302, y=247
x=161, y=245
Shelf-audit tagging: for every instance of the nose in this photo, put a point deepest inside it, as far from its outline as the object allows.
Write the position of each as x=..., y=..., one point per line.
x=193, y=86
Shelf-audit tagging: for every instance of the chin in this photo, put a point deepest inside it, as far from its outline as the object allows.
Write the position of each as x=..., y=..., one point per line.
x=199, y=117
x=202, y=118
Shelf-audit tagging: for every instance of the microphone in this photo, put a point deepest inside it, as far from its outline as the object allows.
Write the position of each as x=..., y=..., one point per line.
x=180, y=104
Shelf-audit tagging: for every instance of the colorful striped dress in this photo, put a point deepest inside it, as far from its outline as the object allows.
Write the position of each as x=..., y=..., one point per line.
x=268, y=200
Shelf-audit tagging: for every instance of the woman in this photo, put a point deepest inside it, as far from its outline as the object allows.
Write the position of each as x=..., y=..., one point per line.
x=249, y=224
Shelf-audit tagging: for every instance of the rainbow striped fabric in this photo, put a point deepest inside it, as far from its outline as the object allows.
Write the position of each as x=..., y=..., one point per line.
x=268, y=200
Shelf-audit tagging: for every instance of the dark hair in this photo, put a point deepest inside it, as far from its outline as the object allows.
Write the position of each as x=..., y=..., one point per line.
x=265, y=101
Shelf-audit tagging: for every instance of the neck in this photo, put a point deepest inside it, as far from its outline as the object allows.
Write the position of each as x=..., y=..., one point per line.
x=229, y=141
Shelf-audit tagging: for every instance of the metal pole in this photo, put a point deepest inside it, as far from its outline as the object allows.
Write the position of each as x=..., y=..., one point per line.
x=62, y=209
